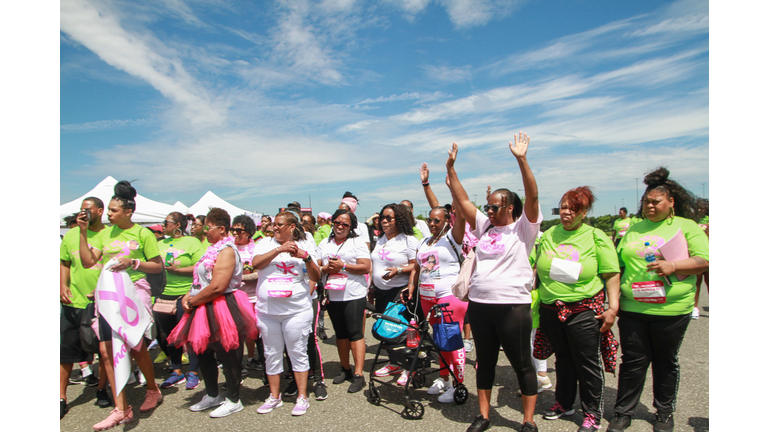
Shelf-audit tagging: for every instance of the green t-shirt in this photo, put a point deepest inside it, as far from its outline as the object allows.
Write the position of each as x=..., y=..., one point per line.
x=186, y=252
x=136, y=243
x=258, y=234
x=680, y=295
x=620, y=226
x=82, y=281
x=587, y=246
x=535, y=300
x=322, y=233
x=417, y=233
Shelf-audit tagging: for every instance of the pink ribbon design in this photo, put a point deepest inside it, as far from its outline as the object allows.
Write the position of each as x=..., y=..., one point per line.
x=286, y=268
x=121, y=300
x=384, y=255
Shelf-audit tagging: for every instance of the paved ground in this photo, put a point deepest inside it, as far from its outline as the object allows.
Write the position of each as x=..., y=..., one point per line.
x=352, y=412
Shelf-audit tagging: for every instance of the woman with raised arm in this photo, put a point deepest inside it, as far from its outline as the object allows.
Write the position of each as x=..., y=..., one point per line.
x=500, y=287
x=136, y=250
x=657, y=298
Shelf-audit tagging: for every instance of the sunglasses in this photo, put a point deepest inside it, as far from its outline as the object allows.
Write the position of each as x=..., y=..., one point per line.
x=207, y=228
x=435, y=220
x=388, y=218
x=269, y=233
x=341, y=224
x=494, y=207
x=166, y=222
x=238, y=231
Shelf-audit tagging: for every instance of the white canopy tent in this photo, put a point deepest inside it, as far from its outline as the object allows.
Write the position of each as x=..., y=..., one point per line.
x=180, y=207
x=147, y=211
x=210, y=200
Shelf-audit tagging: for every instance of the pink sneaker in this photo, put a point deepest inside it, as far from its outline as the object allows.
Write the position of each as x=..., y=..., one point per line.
x=115, y=418
x=403, y=378
x=388, y=370
x=153, y=399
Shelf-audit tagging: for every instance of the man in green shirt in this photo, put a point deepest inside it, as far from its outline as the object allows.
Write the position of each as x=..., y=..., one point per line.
x=76, y=286
x=620, y=226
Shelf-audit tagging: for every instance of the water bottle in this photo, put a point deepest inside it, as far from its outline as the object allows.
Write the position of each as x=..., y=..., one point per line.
x=168, y=258
x=413, y=335
x=650, y=256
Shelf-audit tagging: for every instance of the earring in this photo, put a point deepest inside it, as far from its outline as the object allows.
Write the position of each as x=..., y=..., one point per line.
x=673, y=213
x=175, y=234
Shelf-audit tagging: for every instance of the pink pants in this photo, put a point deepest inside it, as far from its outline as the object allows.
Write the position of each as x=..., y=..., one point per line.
x=459, y=309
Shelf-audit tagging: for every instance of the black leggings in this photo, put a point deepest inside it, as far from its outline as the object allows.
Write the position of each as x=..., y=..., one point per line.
x=509, y=326
x=230, y=365
x=347, y=318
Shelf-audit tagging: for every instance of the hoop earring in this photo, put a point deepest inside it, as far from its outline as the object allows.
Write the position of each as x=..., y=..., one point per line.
x=672, y=215
x=174, y=232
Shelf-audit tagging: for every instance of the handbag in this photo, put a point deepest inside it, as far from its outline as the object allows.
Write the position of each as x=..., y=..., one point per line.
x=447, y=335
x=165, y=306
x=389, y=332
x=460, y=288
x=89, y=341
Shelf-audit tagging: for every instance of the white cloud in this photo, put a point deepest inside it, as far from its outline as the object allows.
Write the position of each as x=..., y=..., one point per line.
x=405, y=96
x=103, y=125
x=447, y=74
x=468, y=13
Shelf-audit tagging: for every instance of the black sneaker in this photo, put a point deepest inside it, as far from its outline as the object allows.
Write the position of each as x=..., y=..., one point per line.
x=529, y=427
x=619, y=423
x=557, y=411
x=321, y=392
x=480, y=424
x=321, y=334
x=245, y=372
x=344, y=375
x=358, y=383
x=77, y=378
x=103, y=399
x=292, y=389
x=254, y=364
x=91, y=380
x=63, y=408
x=664, y=422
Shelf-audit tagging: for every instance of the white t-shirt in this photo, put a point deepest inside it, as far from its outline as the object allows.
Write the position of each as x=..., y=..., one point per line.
x=503, y=274
x=423, y=227
x=439, y=267
x=344, y=286
x=390, y=254
x=362, y=232
x=282, y=288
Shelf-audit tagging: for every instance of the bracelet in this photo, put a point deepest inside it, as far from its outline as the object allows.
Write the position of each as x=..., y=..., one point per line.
x=345, y=267
x=136, y=265
x=399, y=270
x=304, y=257
x=673, y=267
x=425, y=184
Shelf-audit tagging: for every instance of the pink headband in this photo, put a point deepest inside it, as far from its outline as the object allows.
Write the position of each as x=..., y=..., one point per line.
x=351, y=202
x=324, y=215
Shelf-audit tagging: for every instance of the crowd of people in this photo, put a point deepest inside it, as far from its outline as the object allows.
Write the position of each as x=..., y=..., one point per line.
x=239, y=294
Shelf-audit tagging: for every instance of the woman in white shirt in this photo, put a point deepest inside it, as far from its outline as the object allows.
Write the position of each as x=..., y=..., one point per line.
x=284, y=305
x=345, y=262
x=500, y=288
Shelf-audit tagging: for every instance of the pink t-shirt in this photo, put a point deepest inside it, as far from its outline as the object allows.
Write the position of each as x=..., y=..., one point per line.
x=503, y=274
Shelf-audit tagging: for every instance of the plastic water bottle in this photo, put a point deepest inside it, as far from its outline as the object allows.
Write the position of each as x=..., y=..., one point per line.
x=168, y=258
x=412, y=340
x=650, y=256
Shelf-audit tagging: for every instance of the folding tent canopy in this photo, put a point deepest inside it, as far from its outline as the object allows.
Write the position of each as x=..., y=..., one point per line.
x=210, y=200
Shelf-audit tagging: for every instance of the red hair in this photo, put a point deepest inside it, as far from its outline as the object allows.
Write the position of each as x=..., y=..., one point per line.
x=579, y=198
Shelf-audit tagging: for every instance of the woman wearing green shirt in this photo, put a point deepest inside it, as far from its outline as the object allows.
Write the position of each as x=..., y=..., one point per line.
x=571, y=260
x=179, y=253
x=136, y=250
x=656, y=299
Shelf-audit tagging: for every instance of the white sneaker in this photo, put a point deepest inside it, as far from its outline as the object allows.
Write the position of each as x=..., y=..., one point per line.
x=544, y=382
x=468, y=345
x=437, y=387
x=270, y=404
x=388, y=370
x=302, y=405
x=131, y=379
x=227, y=408
x=142, y=380
x=695, y=314
x=154, y=345
x=208, y=402
x=447, y=396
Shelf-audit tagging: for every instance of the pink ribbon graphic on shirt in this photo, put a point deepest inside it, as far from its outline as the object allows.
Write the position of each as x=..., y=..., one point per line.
x=286, y=268
x=121, y=300
x=384, y=255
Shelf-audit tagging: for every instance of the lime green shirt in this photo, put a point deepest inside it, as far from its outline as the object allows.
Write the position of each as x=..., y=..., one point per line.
x=680, y=296
x=136, y=243
x=620, y=226
x=322, y=233
x=587, y=246
x=186, y=252
x=82, y=281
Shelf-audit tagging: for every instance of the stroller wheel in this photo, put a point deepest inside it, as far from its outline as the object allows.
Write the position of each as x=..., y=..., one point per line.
x=374, y=394
x=418, y=380
x=461, y=394
x=416, y=412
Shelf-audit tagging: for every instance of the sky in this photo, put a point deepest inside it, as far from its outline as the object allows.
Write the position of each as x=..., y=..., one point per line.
x=265, y=103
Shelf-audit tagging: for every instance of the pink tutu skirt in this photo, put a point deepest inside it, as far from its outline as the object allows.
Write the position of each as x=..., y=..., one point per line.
x=228, y=319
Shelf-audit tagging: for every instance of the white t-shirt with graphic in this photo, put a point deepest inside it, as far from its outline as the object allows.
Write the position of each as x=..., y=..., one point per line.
x=344, y=286
x=439, y=267
x=391, y=254
x=282, y=288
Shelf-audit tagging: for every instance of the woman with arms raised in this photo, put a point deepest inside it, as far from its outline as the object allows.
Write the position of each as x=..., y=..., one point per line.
x=499, y=292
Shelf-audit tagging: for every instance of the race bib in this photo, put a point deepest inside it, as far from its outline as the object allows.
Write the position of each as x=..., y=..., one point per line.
x=565, y=271
x=427, y=291
x=279, y=287
x=649, y=292
x=622, y=232
x=336, y=281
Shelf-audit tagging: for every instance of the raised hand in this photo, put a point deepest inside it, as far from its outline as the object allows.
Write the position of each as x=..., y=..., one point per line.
x=424, y=171
x=452, y=153
x=488, y=192
x=520, y=147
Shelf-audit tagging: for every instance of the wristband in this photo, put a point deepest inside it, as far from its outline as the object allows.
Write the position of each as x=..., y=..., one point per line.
x=673, y=267
x=425, y=184
x=136, y=265
x=304, y=257
x=344, y=267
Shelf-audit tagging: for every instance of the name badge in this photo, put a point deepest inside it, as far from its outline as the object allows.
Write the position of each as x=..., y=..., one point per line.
x=279, y=287
x=649, y=292
x=565, y=271
x=427, y=291
x=336, y=281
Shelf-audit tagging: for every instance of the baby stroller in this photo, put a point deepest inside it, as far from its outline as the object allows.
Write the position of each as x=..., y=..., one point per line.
x=416, y=361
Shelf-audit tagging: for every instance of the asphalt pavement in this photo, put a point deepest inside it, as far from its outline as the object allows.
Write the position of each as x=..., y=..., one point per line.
x=343, y=411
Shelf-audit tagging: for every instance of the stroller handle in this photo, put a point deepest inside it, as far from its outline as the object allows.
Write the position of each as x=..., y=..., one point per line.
x=389, y=318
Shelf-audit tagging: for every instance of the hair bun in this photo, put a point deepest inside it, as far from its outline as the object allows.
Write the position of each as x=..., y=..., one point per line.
x=123, y=189
x=656, y=177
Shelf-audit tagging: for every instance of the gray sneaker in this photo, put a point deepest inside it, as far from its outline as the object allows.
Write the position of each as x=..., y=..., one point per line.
x=208, y=402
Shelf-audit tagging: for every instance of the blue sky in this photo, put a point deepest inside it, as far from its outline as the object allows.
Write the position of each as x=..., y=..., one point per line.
x=272, y=102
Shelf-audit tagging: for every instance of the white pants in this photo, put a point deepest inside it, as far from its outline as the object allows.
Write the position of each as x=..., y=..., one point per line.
x=289, y=332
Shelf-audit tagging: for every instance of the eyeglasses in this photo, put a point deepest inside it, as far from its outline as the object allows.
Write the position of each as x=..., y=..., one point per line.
x=494, y=207
x=207, y=228
x=269, y=233
x=388, y=218
x=435, y=220
x=341, y=224
x=238, y=231
x=166, y=222
x=278, y=225
x=198, y=225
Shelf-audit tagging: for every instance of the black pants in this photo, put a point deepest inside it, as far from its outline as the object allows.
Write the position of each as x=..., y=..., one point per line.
x=509, y=326
x=166, y=323
x=576, y=343
x=649, y=339
x=230, y=365
x=382, y=297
